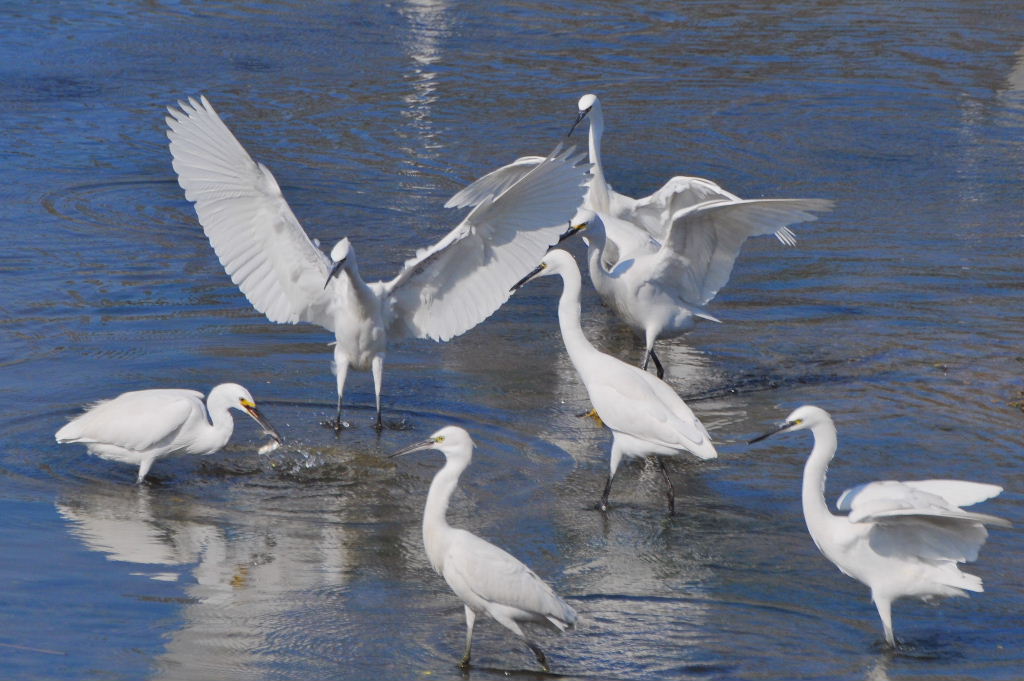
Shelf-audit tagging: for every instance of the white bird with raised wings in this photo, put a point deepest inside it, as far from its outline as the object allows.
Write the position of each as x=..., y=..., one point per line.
x=441, y=292
x=900, y=539
x=658, y=260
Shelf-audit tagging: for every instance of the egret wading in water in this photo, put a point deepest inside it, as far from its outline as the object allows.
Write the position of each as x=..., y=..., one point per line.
x=486, y=578
x=142, y=426
x=441, y=292
x=900, y=538
x=657, y=261
x=644, y=413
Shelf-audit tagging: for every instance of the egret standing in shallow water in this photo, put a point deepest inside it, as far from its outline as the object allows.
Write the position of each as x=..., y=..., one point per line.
x=443, y=291
x=900, y=538
x=644, y=413
x=142, y=426
x=657, y=261
x=486, y=578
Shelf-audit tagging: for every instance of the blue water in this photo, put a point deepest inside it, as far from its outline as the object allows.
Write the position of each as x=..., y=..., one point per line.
x=900, y=312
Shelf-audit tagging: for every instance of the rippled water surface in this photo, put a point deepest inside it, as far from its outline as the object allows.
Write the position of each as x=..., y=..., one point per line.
x=900, y=312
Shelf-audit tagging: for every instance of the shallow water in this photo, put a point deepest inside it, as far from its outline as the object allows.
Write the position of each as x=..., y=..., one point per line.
x=899, y=312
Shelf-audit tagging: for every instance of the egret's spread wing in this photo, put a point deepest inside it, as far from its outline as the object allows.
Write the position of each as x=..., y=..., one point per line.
x=654, y=213
x=494, y=182
x=138, y=420
x=250, y=226
x=955, y=492
x=646, y=409
x=889, y=499
x=454, y=285
x=928, y=538
x=704, y=240
x=499, y=577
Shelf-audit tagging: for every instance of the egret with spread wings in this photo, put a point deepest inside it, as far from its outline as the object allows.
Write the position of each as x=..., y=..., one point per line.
x=900, y=539
x=487, y=579
x=644, y=413
x=657, y=261
x=441, y=292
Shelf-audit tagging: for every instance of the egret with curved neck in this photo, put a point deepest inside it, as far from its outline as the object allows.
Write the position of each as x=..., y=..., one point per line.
x=644, y=413
x=142, y=426
x=900, y=539
x=487, y=579
x=441, y=292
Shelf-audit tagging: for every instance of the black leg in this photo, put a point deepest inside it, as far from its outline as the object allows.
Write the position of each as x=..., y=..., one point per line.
x=539, y=654
x=379, y=425
x=657, y=364
x=671, y=489
x=603, y=504
x=336, y=424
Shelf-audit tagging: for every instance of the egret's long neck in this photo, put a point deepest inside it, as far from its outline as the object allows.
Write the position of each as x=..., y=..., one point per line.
x=816, y=512
x=576, y=344
x=363, y=293
x=598, y=196
x=218, y=434
x=435, y=525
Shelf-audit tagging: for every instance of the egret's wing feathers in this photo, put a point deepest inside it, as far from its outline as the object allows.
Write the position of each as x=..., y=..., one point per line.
x=890, y=499
x=955, y=492
x=499, y=577
x=138, y=420
x=494, y=182
x=704, y=240
x=654, y=213
x=451, y=287
x=932, y=539
x=628, y=402
x=247, y=220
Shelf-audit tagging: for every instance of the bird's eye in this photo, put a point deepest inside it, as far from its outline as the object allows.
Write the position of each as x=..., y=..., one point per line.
x=439, y=438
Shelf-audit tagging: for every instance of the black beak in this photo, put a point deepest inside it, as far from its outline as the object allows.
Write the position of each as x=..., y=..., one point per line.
x=579, y=117
x=415, y=447
x=777, y=429
x=573, y=229
x=536, y=270
x=334, y=272
x=264, y=423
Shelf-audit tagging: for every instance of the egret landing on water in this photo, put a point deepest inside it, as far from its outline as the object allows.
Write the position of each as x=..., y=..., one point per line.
x=644, y=413
x=657, y=261
x=441, y=292
x=142, y=426
x=486, y=578
x=900, y=538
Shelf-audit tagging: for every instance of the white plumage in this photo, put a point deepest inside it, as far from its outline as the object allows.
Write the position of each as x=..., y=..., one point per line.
x=142, y=426
x=441, y=292
x=658, y=260
x=899, y=538
x=644, y=413
x=486, y=578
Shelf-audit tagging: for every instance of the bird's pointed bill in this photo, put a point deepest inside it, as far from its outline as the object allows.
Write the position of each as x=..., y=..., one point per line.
x=536, y=270
x=573, y=229
x=334, y=271
x=579, y=117
x=785, y=425
x=415, y=447
x=270, y=430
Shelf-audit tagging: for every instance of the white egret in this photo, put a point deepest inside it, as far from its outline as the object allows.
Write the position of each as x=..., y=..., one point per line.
x=900, y=538
x=644, y=413
x=443, y=291
x=487, y=579
x=142, y=426
x=657, y=261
